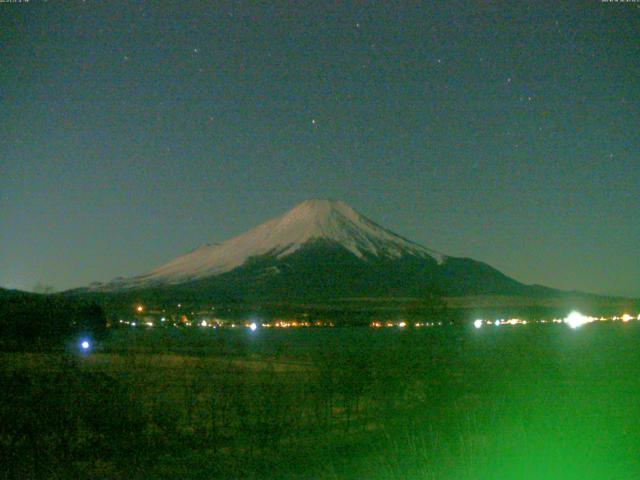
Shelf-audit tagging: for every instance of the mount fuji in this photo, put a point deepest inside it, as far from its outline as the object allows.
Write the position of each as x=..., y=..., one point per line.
x=320, y=248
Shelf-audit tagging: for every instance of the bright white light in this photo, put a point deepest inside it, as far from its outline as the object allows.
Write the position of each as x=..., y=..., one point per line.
x=253, y=327
x=203, y=323
x=575, y=319
x=402, y=324
x=85, y=345
x=477, y=323
x=626, y=317
x=497, y=323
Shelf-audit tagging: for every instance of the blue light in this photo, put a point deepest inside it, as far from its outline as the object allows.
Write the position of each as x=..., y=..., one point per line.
x=85, y=345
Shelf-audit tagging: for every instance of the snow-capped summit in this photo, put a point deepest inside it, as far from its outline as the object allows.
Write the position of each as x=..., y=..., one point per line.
x=320, y=249
x=316, y=219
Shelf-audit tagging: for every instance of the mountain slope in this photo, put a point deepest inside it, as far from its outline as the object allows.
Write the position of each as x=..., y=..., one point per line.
x=324, y=270
x=320, y=248
x=311, y=220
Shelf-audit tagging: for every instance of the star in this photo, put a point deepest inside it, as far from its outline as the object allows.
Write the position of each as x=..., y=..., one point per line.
x=313, y=122
x=196, y=50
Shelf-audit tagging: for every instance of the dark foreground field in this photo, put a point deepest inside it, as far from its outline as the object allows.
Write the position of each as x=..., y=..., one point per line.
x=527, y=402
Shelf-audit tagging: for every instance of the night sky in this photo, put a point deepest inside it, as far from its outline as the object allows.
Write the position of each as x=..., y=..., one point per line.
x=507, y=132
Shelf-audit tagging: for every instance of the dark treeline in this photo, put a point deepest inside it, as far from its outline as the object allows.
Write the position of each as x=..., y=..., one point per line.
x=34, y=321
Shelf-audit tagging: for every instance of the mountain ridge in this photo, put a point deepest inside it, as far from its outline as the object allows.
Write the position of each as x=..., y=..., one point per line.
x=319, y=248
x=281, y=236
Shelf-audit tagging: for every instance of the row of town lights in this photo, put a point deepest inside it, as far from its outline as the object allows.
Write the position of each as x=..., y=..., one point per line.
x=253, y=326
x=574, y=320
